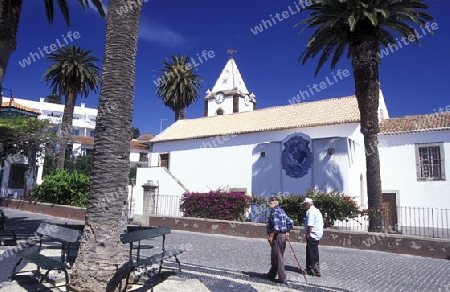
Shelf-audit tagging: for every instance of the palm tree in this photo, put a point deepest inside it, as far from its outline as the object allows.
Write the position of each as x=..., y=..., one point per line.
x=106, y=214
x=177, y=85
x=9, y=22
x=54, y=98
x=73, y=72
x=363, y=26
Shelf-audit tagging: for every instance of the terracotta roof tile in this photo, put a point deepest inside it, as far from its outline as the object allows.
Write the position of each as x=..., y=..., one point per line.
x=306, y=114
x=85, y=141
x=15, y=104
x=89, y=141
x=418, y=123
x=138, y=145
x=145, y=137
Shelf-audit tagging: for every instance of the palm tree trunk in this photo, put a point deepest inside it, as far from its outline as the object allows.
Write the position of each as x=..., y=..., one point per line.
x=9, y=22
x=66, y=128
x=365, y=63
x=102, y=258
x=180, y=114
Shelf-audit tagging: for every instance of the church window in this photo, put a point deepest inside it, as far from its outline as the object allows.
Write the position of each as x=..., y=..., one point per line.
x=164, y=160
x=430, y=162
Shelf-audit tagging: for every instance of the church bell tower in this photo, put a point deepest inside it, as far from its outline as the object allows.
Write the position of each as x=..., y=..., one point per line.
x=229, y=95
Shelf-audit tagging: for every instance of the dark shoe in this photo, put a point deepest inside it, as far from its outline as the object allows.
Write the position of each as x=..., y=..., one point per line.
x=318, y=274
x=309, y=272
x=268, y=276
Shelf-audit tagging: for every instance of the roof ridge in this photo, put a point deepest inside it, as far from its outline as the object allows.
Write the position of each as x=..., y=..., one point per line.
x=273, y=107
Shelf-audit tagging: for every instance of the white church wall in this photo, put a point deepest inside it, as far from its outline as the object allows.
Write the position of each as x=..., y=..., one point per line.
x=266, y=174
x=167, y=185
x=202, y=170
x=226, y=106
x=231, y=160
x=244, y=107
x=398, y=170
x=331, y=164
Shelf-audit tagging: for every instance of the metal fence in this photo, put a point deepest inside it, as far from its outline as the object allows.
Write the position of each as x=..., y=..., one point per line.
x=417, y=221
x=168, y=205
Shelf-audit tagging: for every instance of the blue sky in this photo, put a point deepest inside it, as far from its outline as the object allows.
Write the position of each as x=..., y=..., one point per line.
x=413, y=78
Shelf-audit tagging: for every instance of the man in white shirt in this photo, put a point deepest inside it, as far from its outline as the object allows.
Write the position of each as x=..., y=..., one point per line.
x=313, y=234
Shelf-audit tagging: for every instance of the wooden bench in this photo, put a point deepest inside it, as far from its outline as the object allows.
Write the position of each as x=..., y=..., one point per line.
x=49, y=233
x=6, y=234
x=135, y=237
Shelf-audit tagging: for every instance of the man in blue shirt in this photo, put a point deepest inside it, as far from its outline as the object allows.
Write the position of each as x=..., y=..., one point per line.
x=278, y=226
x=313, y=234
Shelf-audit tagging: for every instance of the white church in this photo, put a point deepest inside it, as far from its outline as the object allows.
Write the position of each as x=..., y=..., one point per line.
x=292, y=148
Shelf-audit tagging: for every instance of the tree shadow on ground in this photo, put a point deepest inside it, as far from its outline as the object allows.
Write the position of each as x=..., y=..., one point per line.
x=259, y=277
x=151, y=280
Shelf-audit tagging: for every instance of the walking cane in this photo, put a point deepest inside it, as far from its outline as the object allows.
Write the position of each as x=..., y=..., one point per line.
x=298, y=262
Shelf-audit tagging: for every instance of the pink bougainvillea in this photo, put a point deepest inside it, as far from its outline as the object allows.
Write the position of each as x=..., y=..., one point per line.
x=215, y=205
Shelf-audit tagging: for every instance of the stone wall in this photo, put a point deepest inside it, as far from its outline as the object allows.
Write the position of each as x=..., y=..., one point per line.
x=69, y=212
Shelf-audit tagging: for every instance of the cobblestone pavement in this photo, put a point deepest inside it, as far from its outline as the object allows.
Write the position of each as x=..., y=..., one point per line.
x=228, y=263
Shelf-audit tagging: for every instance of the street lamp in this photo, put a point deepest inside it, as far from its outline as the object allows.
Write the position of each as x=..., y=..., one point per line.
x=160, y=124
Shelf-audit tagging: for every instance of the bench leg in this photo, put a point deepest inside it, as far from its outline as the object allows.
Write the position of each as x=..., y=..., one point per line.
x=128, y=279
x=160, y=265
x=14, y=269
x=66, y=275
x=178, y=262
x=43, y=277
x=14, y=235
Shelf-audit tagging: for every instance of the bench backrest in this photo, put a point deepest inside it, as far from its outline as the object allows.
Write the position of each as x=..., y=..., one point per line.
x=58, y=232
x=138, y=235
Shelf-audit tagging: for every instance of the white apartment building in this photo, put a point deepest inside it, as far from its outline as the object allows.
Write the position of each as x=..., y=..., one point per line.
x=81, y=140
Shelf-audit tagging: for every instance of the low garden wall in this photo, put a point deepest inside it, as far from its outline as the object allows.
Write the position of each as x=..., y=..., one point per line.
x=69, y=212
x=394, y=243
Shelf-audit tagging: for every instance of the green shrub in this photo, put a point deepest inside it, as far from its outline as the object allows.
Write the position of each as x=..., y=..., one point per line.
x=81, y=164
x=215, y=205
x=63, y=188
x=333, y=206
x=259, y=200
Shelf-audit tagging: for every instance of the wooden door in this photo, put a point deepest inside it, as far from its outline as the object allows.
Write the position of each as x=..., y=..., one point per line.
x=389, y=206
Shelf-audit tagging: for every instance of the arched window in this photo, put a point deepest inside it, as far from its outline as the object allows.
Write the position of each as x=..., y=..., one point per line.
x=219, y=112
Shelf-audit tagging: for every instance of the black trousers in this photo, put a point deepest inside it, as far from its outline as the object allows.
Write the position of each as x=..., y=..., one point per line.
x=312, y=255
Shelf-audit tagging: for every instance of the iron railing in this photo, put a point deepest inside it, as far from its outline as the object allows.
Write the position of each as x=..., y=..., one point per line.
x=417, y=221
x=168, y=205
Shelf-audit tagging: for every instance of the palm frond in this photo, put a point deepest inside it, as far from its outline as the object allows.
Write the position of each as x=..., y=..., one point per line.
x=63, y=6
x=339, y=24
x=73, y=70
x=178, y=85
